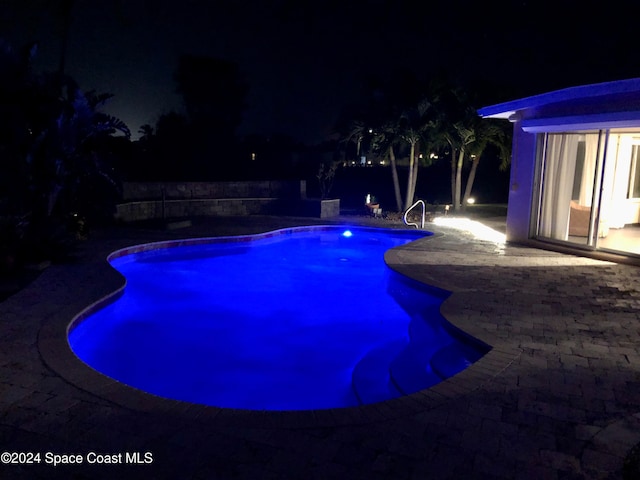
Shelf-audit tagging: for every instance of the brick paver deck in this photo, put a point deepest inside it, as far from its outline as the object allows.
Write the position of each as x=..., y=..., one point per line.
x=557, y=397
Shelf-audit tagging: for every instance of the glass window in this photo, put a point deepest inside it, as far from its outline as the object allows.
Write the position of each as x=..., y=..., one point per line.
x=590, y=189
x=634, y=174
x=577, y=179
x=570, y=164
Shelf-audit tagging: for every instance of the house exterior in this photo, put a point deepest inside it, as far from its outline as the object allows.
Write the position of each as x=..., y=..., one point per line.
x=575, y=169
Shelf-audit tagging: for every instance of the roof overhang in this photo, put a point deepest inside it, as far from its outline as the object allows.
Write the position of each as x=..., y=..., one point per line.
x=609, y=96
x=582, y=122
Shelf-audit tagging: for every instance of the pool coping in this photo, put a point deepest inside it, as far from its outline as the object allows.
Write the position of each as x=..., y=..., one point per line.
x=55, y=351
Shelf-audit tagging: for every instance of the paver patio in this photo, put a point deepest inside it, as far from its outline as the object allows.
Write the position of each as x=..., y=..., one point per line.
x=557, y=397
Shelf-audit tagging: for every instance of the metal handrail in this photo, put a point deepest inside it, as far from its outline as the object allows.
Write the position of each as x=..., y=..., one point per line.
x=407, y=223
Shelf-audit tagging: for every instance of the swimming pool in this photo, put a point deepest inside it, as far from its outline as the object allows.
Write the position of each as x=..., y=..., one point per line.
x=295, y=319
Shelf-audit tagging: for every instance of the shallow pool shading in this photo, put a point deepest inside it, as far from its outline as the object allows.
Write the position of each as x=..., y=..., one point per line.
x=422, y=358
x=305, y=319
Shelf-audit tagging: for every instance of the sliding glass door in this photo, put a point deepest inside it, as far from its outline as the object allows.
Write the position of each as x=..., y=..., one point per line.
x=590, y=189
x=569, y=186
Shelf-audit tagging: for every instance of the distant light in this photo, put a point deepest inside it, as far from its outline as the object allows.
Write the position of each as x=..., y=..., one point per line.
x=369, y=162
x=381, y=162
x=371, y=130
x=471, y=200
x=253, y=156
x=347, y=233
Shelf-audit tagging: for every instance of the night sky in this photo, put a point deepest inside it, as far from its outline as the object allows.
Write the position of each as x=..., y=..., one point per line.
x=304, y=61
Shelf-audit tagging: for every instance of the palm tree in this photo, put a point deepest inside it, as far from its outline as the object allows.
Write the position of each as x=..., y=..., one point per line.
x=386, y=140
x=412, y=137
x=412, y=127
x=464, y=136
x=488, y=132
x=146, y=132
x=65, y=149
x=56, y=146
x=356, y=133
x=468, y=139
x=455, y=124
x=407, y=128
x=403, y=119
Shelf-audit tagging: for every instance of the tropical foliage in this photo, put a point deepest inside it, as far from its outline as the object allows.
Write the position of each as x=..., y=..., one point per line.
x=326, y=175
x=55, y=145
x=437, y=122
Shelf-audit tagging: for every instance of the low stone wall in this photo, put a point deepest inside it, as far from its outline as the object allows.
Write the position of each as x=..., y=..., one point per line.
x=157, y=200
x=132, y=191
x=151, y=209
x=320, y=208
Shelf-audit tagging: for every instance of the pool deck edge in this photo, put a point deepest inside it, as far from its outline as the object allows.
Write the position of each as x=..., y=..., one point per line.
x=558, y=396
x=55, y=351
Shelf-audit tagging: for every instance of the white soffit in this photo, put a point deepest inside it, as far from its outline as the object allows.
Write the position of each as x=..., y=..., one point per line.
x=582, y=122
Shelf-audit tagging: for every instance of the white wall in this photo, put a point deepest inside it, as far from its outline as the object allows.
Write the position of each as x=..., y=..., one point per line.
x=521, y=184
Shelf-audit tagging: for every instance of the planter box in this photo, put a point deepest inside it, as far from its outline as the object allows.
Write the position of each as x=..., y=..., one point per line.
x=314, y=207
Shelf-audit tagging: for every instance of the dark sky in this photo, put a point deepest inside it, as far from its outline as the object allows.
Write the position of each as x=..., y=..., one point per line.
x=305, y=60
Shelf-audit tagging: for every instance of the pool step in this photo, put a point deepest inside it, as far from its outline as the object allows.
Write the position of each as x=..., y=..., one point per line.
x=370, y=379
x=411, y=370
x=452, y=359
x=426, y=331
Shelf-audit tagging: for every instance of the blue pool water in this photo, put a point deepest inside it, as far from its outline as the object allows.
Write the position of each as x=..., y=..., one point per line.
x=305, y=318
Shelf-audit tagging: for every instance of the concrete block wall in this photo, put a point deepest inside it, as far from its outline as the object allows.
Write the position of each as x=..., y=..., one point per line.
x=135, y=191
x=144, y=201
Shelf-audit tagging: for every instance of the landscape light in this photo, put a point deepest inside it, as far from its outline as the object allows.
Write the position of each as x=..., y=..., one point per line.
x=471, y=200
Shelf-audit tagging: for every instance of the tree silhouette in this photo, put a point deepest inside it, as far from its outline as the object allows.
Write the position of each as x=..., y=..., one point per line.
x=54, y=142
x=214, y=95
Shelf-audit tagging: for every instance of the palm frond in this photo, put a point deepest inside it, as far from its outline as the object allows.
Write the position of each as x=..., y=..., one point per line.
x=110, y=124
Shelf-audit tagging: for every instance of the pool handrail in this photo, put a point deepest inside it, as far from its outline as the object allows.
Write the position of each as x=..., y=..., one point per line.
x=404, y=218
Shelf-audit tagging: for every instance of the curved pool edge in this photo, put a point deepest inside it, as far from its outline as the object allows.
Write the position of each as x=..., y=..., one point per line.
x=54, y=349
x=144, y=247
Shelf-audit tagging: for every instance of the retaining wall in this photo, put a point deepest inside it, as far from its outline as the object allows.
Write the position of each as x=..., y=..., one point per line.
x=136, y=191
x=157, y=200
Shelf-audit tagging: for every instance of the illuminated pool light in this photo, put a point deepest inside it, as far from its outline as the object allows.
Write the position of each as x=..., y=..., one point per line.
x=347, y=233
